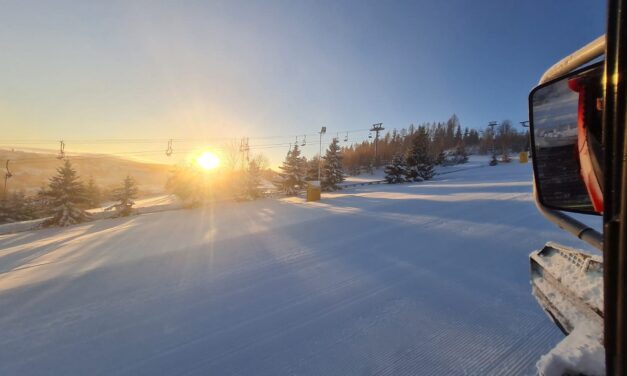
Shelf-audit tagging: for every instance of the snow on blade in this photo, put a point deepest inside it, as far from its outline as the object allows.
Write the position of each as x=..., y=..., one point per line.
x=568, y=284
x=580, y=353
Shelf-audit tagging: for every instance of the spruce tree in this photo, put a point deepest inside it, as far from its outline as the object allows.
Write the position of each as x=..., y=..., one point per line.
x=395, y=172
x=21, y=206
x=458, y=135
x=92, y=194
x=293, y=172
x=65, y=196
x=16, y=207
x=420, y=165
x=332, y=171
x=125, y=195
x=313, y=166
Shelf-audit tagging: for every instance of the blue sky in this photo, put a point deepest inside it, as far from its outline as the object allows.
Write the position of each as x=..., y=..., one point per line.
x=219, y=69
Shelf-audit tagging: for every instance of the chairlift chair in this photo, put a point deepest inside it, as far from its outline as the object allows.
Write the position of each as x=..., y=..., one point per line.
x=168, y=151
x=8, y=174
x=61, y=154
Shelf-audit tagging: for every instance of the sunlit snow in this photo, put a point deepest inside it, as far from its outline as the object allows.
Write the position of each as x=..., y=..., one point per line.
x=416, y=279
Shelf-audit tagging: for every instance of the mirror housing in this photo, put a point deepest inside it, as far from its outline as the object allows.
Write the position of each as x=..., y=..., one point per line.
x=566, y=141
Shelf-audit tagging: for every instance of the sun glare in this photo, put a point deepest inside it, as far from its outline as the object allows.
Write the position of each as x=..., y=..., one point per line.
x=208, y=160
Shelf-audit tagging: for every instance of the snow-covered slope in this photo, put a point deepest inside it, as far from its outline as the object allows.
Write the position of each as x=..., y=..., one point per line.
x=429, y=279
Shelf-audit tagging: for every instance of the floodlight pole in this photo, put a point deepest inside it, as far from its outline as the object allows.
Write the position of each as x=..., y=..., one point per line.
x=323, y=130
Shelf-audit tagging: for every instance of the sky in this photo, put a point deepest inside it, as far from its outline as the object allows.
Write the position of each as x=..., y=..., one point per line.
x=211, y=71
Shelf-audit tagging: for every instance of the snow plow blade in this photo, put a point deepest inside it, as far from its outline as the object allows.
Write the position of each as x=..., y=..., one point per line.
x=568, y=284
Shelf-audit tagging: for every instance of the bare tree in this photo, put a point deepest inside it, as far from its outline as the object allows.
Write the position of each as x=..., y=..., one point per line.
x=505, y=135
x=232, y=154
x=261, y=161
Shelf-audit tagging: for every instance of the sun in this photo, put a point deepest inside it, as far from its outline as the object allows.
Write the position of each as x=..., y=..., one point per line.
x=208, y=160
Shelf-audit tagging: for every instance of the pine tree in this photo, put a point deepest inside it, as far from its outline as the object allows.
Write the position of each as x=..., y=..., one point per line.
x=332, y=172
x=458, y=135
x=93, y=194
x=420, y=165
x=293, y=172
x=313, y=167
x=125, y=195
x=395, y=172
x=440, y=158
x=66, y=197
x=16, y=207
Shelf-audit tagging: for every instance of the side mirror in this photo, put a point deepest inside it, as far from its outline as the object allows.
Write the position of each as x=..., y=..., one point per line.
x=566, y=137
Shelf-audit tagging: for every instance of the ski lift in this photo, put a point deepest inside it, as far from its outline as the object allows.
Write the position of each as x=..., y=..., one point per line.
x=346, y=137
x=8, y=174
x=369, y=134
x=304, y=141
x=168, y=151
x=61, y=154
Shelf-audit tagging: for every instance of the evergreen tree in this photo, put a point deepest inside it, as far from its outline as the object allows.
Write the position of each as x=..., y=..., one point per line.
x=313, y=166
x=93, y=194
x=125, y=195
x=395, y=172
x=458, y=135
x=332, y=171
x=16, y=207
x=440, y=158
x=420, y=165
x=66, y=197
x=293, y=172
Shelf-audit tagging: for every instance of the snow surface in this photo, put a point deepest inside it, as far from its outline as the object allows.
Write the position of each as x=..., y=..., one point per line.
x=142, y=206
x=580, y=353
x=422, y=278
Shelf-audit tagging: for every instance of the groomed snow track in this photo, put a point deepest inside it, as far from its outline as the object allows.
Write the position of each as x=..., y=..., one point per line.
x=415, y=279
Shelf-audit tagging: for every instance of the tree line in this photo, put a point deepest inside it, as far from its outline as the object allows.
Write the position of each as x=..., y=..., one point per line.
x=445, y=141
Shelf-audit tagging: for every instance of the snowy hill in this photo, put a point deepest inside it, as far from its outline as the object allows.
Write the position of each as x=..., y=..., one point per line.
x=31, y=170
x=424, y=278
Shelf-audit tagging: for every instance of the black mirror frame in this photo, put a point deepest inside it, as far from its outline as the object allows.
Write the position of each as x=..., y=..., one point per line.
x=533, y=141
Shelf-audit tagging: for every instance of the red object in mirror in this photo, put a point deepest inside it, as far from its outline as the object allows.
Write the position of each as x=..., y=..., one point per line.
x=588, y=103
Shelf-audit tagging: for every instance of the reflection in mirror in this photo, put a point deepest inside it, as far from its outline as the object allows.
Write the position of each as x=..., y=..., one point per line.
x=554, y=118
